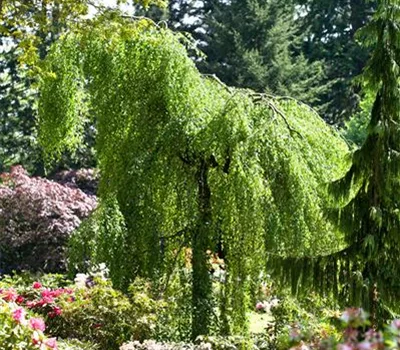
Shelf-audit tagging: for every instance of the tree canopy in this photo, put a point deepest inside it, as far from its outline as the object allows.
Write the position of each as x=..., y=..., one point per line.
x=186, y=161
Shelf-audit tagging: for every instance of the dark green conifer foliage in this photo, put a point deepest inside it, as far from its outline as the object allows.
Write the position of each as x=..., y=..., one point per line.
x=186, y=161
x=365, y=273
x=256, y=44
x=17, y=116
x=329, y=28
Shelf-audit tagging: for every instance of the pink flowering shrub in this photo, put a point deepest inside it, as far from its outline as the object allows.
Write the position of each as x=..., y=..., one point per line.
x=89, y=310
x=36, y=219
x=19, y=331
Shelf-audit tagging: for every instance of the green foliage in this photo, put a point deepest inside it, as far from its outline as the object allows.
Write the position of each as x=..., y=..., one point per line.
x=256, y=44
x=104, y=316
x=186, y=162
x=17, y=127
x=74, y=344
x=356, y=128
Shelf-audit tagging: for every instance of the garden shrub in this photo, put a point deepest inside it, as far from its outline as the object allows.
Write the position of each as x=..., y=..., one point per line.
x=310, y=316
x=93, y=311
x=36, y=218
x=89, y=310
x=86, y=180
x=202, y=343
x=18, y=330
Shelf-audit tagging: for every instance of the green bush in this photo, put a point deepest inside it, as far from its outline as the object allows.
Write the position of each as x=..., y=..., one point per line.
x=105, y=316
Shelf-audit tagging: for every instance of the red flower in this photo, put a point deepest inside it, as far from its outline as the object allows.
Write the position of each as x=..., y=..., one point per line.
x=20, y=299
x=57, y=311
x=36, y=285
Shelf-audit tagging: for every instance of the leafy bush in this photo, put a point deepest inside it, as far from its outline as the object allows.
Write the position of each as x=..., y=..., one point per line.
x=89, y=310
x=73, y=344
x=310, y=316
x=36, y=219
x=202, y=343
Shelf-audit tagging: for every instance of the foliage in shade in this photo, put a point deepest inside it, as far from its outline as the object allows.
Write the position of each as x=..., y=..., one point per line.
x=365, y=201
x=36, y=219
x=329, y=29
x=186, y=162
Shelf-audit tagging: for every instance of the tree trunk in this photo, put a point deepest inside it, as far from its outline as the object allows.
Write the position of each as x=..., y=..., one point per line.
x=201, y=285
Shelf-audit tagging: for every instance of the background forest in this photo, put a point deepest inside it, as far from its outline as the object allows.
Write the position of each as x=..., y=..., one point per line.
x=199, y=174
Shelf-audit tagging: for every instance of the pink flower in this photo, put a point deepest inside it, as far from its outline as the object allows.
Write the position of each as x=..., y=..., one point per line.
x=365, y=345
x=51, y=343
x=259, y=306
x=37, y=324
x=36, y=285
x=30, y=304
x=46, y=300
x=18, y=315
x=46, y=293
x=10, y=294
x=57, y=292
x=396, y=324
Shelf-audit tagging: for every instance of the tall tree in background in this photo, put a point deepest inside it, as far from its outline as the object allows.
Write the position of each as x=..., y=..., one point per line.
x=255, y=44
x=268, y=45
x=249, y=43
x=366, y=272
x=331, y=26
x=17, y=114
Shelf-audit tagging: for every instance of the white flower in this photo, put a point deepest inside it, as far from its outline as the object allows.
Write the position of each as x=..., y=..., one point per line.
x=80, y=280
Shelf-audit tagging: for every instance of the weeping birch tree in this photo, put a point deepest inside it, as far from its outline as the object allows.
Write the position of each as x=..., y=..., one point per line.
x=186, y=161
x=366, y=200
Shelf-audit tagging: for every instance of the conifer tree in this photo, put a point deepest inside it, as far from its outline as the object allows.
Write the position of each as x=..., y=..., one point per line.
x=329, y=28
x=366, y=200
x=256, y=44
